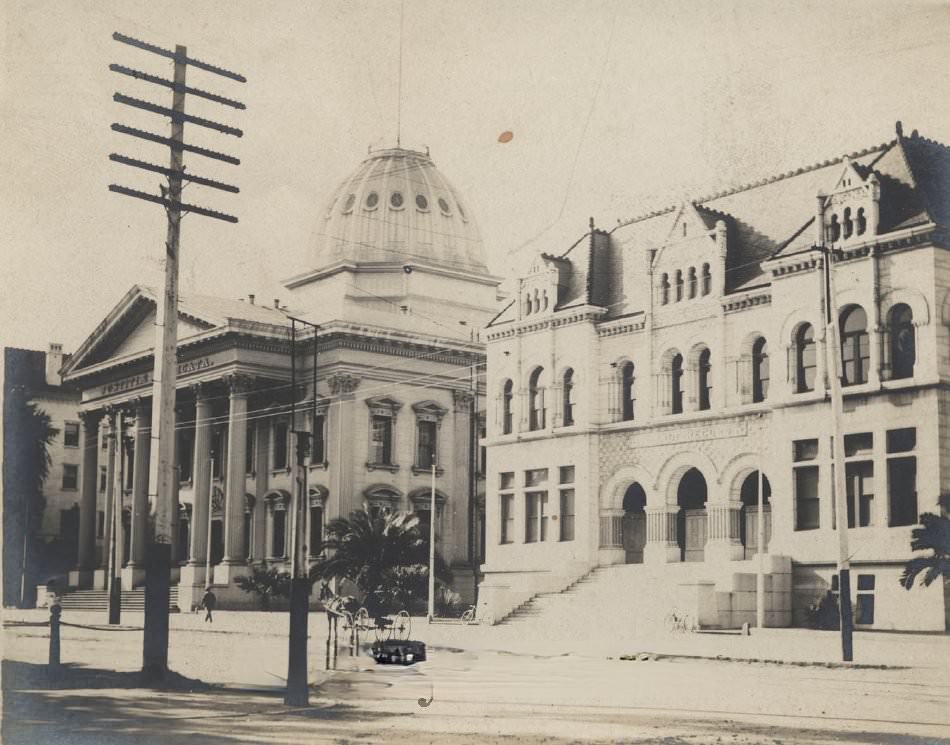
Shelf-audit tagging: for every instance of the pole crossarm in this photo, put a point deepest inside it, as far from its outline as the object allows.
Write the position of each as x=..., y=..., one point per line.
x=176, y=116
x=139, y=75
x=170, y=204
x=169, y=172
x=171, y=55
x=143, y=135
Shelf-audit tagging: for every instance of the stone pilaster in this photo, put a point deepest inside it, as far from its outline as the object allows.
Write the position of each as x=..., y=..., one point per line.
x=82, y=576
x=234, y=559
x=661, y=546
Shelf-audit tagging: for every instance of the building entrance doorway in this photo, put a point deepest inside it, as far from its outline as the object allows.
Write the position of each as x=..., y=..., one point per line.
x=217, y=541
x=748, y=524
x=634, y=527
x=691, y=518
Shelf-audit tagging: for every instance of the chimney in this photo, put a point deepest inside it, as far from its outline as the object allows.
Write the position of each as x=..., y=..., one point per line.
x=54, y=361
x=250, y=299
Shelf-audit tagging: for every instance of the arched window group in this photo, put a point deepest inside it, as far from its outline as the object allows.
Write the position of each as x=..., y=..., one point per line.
x=567, y=393
x=704, y=379
x=760, y=370
x=901, y=342
x=676, y=384
x=805, y=358
x=507, y=395
x=535, y=302
x=849, y=224
x=686, y=285
x=536, y=401
x=855, y=346
x=627, y=397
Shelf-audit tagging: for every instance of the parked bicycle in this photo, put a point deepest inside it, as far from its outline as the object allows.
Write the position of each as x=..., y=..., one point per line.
x=677, y=621
x=468, y=615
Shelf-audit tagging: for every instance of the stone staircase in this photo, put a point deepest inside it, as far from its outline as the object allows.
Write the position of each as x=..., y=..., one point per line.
x=133, y=601
x=609, y=600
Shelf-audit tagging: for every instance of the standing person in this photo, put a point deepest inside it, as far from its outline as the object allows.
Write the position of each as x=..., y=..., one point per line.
x=208, y=601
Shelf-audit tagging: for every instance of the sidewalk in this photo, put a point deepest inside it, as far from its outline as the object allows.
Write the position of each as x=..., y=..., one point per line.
x=790, y=646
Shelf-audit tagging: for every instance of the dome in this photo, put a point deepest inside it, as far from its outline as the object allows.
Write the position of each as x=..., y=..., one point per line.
x=398, y=208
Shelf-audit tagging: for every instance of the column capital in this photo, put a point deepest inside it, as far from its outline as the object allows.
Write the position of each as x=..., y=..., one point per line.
x=239, y=384
x=141, y=405
x=91, y=417
x=462, y=398
x=201, y=391
x=343, y=383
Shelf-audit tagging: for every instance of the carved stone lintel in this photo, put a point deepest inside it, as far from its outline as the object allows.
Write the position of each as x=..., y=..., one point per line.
x=462, y=398
x=343, y=383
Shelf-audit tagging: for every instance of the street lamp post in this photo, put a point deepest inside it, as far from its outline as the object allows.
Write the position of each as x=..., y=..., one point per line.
x=432, y=544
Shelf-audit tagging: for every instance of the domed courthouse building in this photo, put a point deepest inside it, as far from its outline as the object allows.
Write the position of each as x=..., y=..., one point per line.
x=399, y=287
x=640, y=380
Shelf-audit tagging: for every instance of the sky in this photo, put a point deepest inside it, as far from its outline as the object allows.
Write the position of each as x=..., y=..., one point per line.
x=617, y=108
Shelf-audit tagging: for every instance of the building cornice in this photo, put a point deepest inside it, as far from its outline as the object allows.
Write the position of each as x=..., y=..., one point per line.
x=563, y=317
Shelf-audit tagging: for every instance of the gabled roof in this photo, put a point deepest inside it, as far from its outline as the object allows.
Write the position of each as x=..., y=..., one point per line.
x=200, y=313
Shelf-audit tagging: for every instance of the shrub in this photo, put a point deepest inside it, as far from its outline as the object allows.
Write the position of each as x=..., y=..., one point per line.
x=265, y=583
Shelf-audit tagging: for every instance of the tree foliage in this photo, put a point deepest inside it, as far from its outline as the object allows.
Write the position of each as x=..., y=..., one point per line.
x=266, y=583
x=385, y=556
x=933, y=535
x=28, y=433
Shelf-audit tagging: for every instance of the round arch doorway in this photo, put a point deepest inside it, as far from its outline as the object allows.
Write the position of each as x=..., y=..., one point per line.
x=691, y=518
x=634, y=523
x=748, y=524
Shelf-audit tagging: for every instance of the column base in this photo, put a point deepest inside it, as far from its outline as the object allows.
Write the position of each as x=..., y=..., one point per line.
x=191, y=586
x=99, y=578
x=721, y=551
x=226, y=572
x=80, y=579
x=133, y=575
x=661, y=553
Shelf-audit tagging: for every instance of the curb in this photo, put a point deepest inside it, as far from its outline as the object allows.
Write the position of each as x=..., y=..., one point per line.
x=654, y=656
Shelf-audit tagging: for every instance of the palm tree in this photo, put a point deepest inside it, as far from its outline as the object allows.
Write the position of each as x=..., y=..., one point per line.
x=934, y=536
x=28, y=433
x=385, y=556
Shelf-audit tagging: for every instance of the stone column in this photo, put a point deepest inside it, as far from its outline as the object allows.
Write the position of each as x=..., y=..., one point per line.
x=234, y=559
x=661, y=546
x=111, y=438
x=261, y=476
x=134, y=574
x=722, y=532
x=195, y=573
x=82, y=575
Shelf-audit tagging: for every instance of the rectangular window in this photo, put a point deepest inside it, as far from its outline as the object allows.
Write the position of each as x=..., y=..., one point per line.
x=535, y=477
x=507, y=518
x=185, y=453
x=859, y=444
x=250, y=449
x=100, y=523
x=806, y=498
x=70, y=476
x=381, y=447
x=506, y=480
x=860, y=491
x=566, y=475
x=426, y=455
x=316, y=529
x=864, y=610
x=280, y=522
x=805, y=450
x=532, y=502
x=901, y=440
x=567, y=515
x=280, y=447
x=71, y=435
x=318, y=452
x=902, y=491
x=102, y=478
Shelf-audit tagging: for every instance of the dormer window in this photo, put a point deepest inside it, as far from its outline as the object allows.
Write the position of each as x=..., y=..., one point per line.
x=861, y=221
x=679, y=285
x=707, y=279
x=848, y=224
x=834, y=229
x=691, y=280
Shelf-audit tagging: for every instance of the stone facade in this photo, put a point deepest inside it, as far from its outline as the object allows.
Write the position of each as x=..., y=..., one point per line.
x=666, y=362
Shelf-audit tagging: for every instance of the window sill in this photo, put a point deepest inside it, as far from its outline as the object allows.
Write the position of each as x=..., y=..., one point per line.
x=278, y=471
x=391, y=467
x=319, y=466
x=416, y=470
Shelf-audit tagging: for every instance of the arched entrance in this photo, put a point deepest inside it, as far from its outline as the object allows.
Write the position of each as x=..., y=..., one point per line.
x=748, y=524
x=634, y=523
x=691, y=518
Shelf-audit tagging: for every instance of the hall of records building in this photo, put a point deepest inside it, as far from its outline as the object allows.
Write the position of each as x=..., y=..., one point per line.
x=641, y=377
x=399, y=288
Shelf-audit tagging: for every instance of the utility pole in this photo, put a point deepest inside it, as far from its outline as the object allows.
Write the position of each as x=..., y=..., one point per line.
x=113, y=582
x=760, y=551
x=833, y=365
x=298, y=691
x=432, y=543
x=209, y=579
x=161, y=465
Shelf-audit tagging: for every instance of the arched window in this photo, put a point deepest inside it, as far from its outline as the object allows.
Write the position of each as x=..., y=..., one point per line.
x=834, y=229
x=568, y=393
x=626, y=392
x=903, y=346
x=507, y=395
x=544, y=300
x=760, y=370
x=805, y=358
x=664, y=289
x=676, y=384
x=704, y=379
x=535, y=401
x=679, y=285
x=707, y=279
x=855, y=346
x=691, y=282
x=848, y=224
x=537, y=302
x=861, y=221
x=527, y=304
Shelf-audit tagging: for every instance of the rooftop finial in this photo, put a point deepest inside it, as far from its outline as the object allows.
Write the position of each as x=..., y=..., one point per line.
x=591, y=224
x=900, y=128
x=402, y=13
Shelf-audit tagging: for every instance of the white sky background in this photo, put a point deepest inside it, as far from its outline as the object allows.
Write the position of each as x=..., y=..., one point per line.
x=617, y=108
